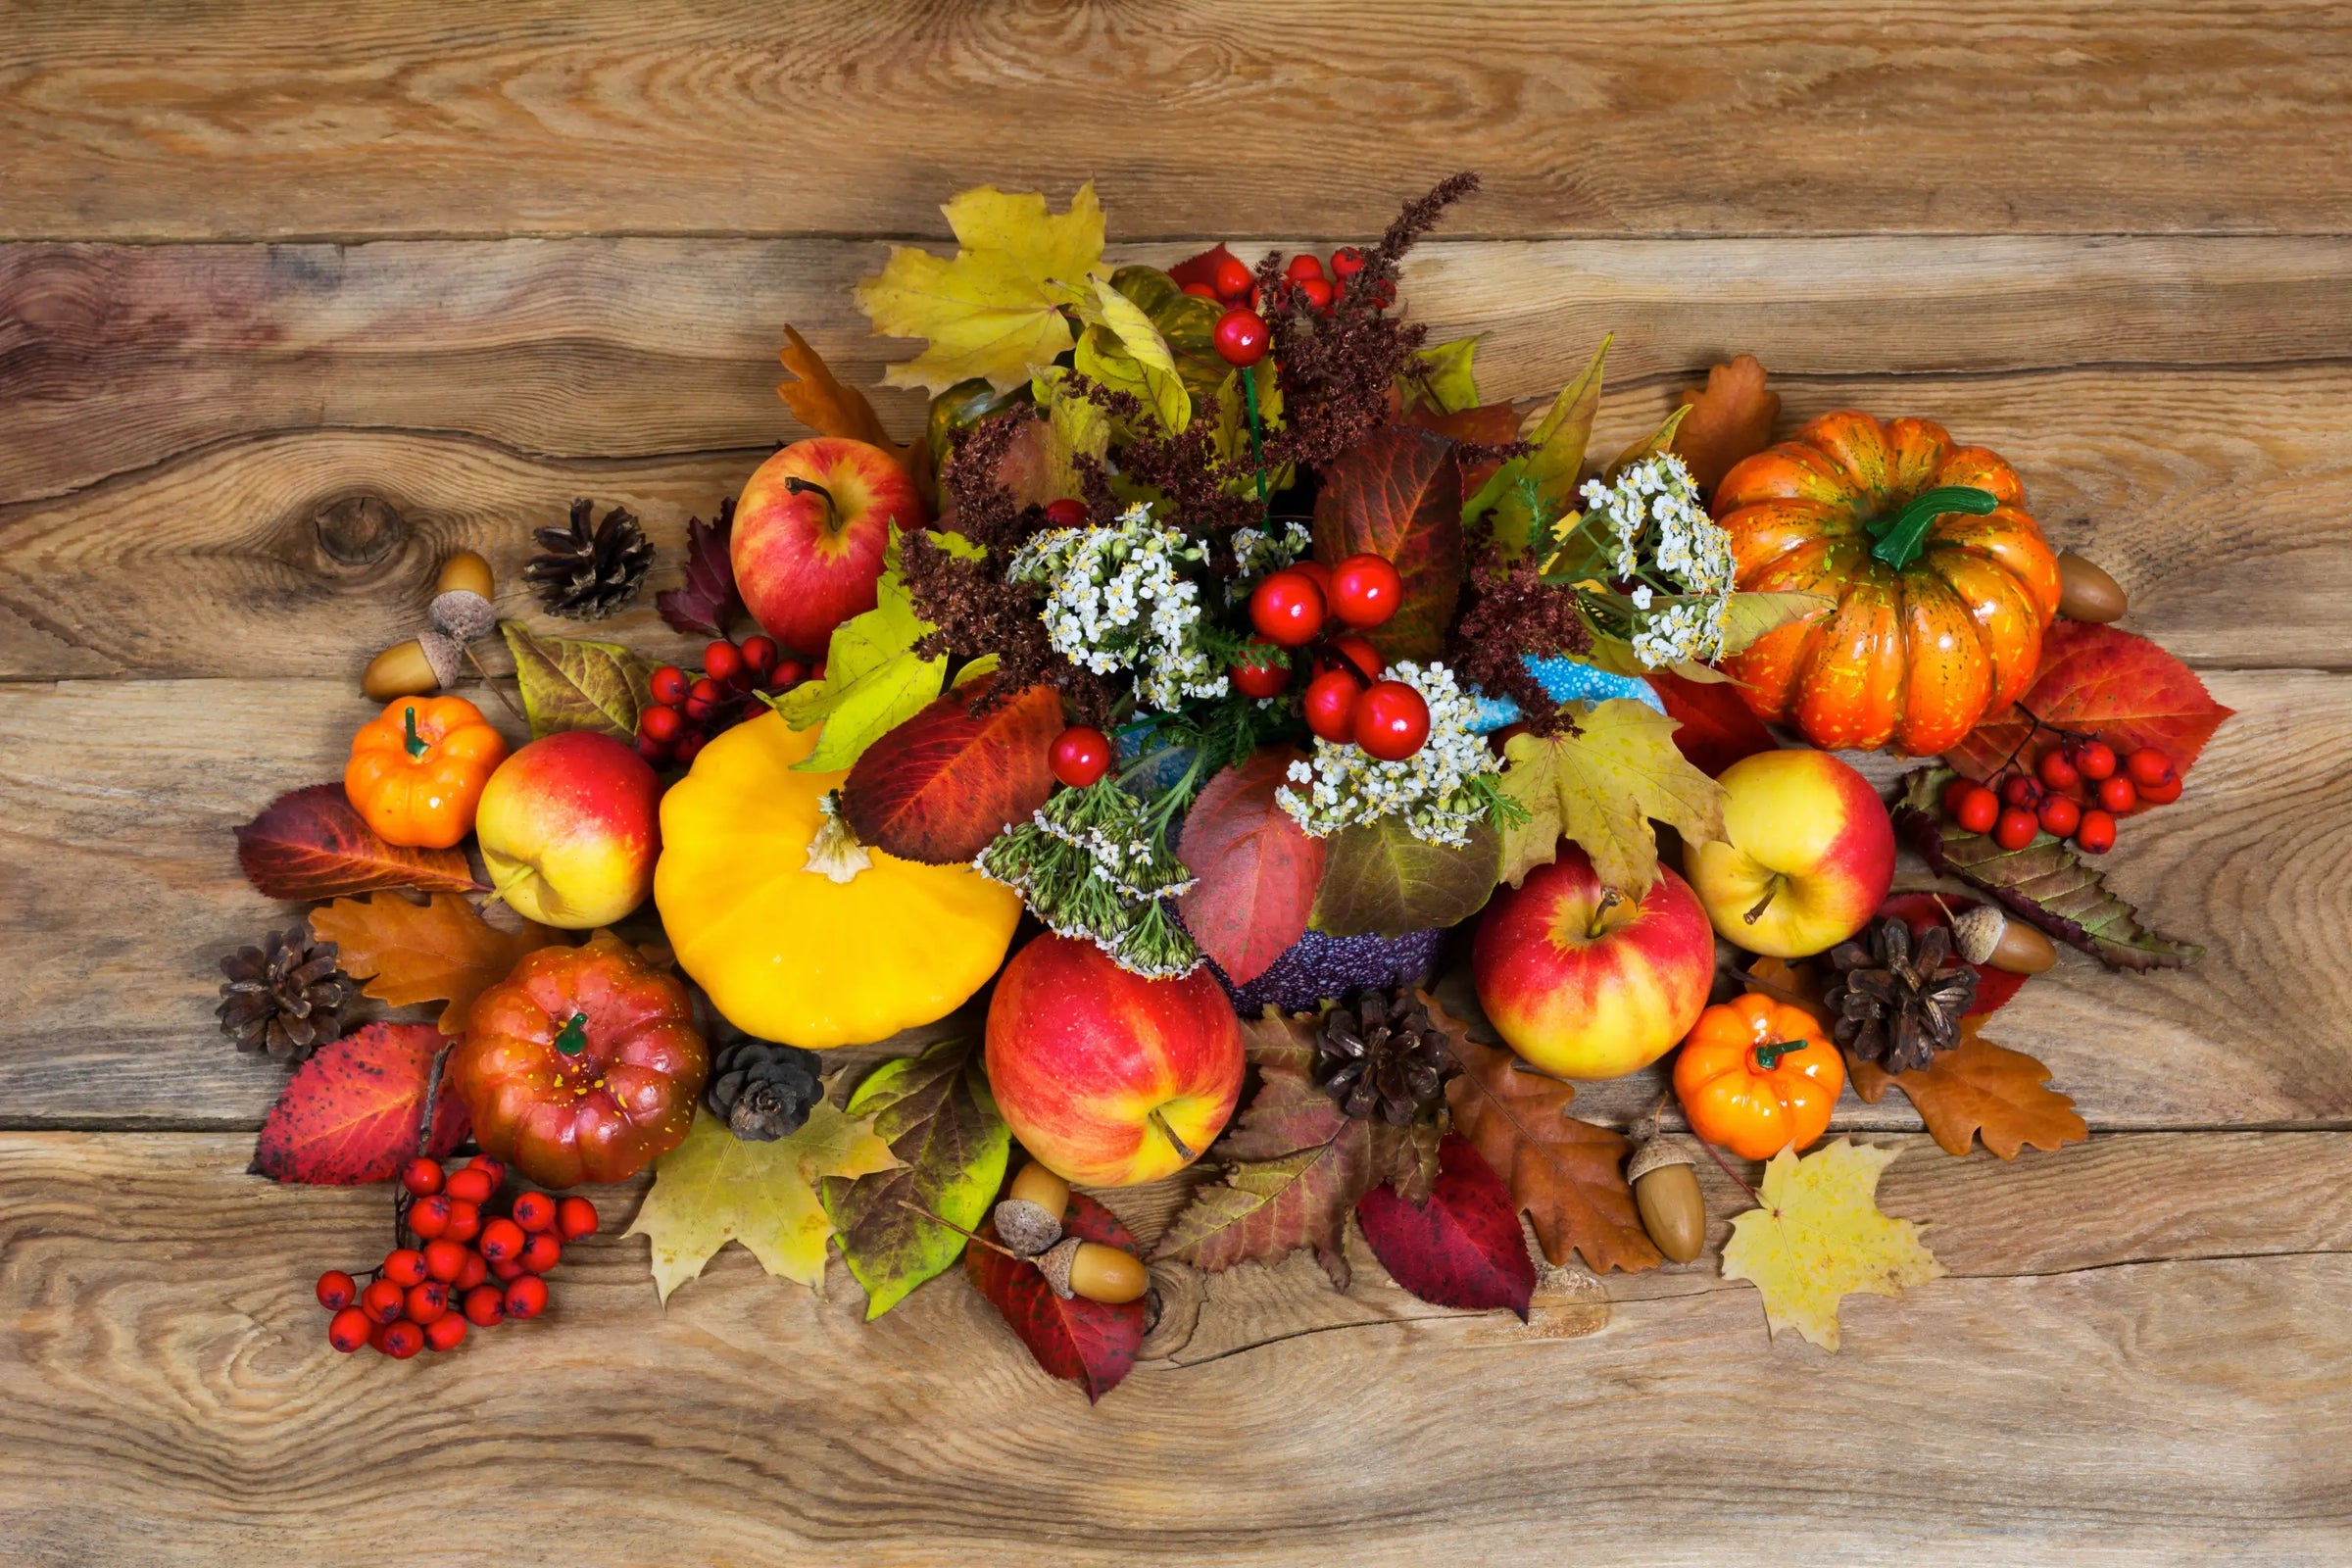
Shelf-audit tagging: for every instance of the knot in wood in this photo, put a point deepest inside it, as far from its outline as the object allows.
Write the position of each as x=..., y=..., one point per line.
x=359, y=530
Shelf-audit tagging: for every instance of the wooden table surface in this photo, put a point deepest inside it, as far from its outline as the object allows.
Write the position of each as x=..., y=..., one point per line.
x=297, y=296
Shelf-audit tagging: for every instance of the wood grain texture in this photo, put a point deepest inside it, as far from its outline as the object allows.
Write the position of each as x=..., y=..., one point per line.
x=118, y=799
x=2161, y=1386
x=1769, y=116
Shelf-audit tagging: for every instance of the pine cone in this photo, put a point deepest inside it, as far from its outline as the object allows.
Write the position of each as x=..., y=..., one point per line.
x=586, y=573
x=285, y=997
x=1379, y=1055
x=761, y=1090
x=1895, y=1005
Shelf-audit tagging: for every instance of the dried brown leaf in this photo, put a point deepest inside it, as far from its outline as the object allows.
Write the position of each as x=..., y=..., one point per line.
x=1980, y=1089
x=441, y=951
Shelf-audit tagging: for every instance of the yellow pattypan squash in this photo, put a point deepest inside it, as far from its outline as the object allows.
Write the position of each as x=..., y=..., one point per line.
x=838, y=947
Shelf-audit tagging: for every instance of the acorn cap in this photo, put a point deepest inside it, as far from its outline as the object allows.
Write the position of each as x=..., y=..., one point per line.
x=1653, y=1153
x=462, y=613
x=1977, y=931
x=441, y=651
x=1055, y=1264
x=1026, y=1228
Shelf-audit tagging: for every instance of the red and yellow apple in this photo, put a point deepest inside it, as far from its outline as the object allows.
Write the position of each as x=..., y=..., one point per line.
x=1586, y=983
x=1108, y=1078
x=1806, y=857
x=810, y=528
x=569, y=829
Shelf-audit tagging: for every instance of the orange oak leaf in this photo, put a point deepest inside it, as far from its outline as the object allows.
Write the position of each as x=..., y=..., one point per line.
x=1978, y=1088
x=818, y=399
x=436, y=952
x=1731, y=420
x=1568, y=1174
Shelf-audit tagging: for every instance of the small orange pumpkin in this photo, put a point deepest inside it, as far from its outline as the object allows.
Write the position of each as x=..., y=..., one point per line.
x=1757, y=1076
x=1944, y=582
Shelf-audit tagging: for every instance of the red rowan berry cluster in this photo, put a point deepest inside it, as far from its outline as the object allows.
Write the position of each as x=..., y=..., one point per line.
x=2076, y=790
x=687, y=710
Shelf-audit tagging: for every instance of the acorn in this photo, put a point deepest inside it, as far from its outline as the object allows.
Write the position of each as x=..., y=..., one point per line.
x=424, y=664
x=1026, y=1228
x=2087, y=593
x=1097, y=1272
x=1037, y=1185
x=1664, y=1176
x=461, y=597
x=1985, y=935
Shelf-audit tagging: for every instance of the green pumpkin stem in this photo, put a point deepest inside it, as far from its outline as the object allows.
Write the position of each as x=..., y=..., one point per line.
x=574, y=1039
x=1902, y=536
x=416, y=742
x=1769, y=1056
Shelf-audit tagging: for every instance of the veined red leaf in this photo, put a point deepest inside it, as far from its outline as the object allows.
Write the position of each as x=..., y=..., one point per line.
x=311, y=844
x=1491, y=424
x=1398, y=494
x=1717, y=729
x=1255, y=870
x=2103, y=679
x=939, y=787
x=351, y=1113
x=708, y=602
x=1922, y=911
x=1463, y=1248
x=1087, y=1342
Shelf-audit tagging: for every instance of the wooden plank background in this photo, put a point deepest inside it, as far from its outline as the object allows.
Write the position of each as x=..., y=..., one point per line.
x=295, y=297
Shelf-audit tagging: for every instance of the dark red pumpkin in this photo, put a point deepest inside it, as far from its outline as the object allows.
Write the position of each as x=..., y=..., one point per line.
x=581, y=1065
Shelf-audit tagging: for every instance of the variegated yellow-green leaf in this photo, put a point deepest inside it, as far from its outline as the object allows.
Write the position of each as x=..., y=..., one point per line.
x=996, y=309
x=1545, y=478
x=1188, y=323
x=1601, y=786
x=716, y=1188
x=874, y=681
x=1819, y=1237
x=1124, y=351
x=568, y=683
x=1438, y=377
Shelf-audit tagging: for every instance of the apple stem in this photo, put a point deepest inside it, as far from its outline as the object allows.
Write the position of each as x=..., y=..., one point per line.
x=1169, y=1133
x=1764, y=902
x=1610, y=897
x=960, y=1230
x=793, y=484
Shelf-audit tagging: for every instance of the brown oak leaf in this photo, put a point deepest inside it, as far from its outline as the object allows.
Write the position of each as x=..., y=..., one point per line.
x=1978, y=1088
x=819, y=399
x=1568, y=1174
x=436, y=952
x=1731, y=420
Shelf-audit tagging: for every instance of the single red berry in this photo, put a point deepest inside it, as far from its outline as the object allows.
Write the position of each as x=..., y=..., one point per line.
x=1232, y=276
x=337, y=1290
x=1303, y=265
x=2056, y=771
x=1329, y=704
x=2097, y=833
x=1384, y=294
x=425, y=1302
x=445, y=1333
x=534, y=1211
x=689, y=747
x=1265, y=679
x=651, y=749
x=348, y=1329
x=704, y=699
x=421, y=1177
x=2095, y=759
x=722, y=659
x=402, y=1339
x=1319, y=294
x=465, y=1223
x=1313, y=572
x=2059, y=814
x=404, y=1266
x=383, y=1300
x=2019, y=790
x=661, y=724
x=760, y=654
x=501, y=1238
x=476, y=1271
x=668, y=685
x=1241, y=337
x=511, y=1269
x=575, y=1218
x=2117, y=794
x=494, y=1171
x=2163, y=793
x=1287, y=609
x=1202, y=291
x=1978, y=811
x=1067, y=513
x=1346, y=261
x=1366, y=591
x=431, y=1217
x=816, y=672
x=2148, y=766
x=1360, y=654
x=444, y=1260
x=472, y=1185
x=541, y=1254
x=1391, y=720
x=1079, y=755
x=788, y=673
x=2016, y=829
x=527, y=1297
x=1954, y=793
x=485, y=1304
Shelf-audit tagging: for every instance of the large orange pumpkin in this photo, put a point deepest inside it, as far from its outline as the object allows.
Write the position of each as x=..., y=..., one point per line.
x=1939, y=613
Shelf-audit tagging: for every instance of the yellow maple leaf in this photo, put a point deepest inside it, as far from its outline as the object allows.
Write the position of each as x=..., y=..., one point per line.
x=1819, y=1237
x=716, y=1188
x=1124, y=351
x=1601, y=786
x=996, y=309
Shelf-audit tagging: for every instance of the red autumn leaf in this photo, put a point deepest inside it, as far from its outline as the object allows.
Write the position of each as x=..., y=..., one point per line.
x=1255, y=870
x=350, y=1113
x=1202, y=268
x=2102, y=679
x=1921, y=913
x=939, y=786
x=1087, y=1342
x=708, y=602
x=1463, y=1248
x=1731, y=420
x=311, y=844
x=1398, y=494
x=1717, y=729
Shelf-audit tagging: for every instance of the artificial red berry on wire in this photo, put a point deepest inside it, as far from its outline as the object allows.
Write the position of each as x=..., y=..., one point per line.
x=2163, y=793
x=1286, y=608
x=703, y=700
x=1319, y=294
x=689, y=747
x=1313, y=572
x=401, y=1339
x=1346, y=261
x=1263, y=678
x=760, y=654
x=1359, y=655
x=722, y=661
x=1067, y=513
x=663, y=724
x=503, y=1239
x=2148, y=766
x=1233, y=278
x=1392, y=720
x=429, y=1217
x=444, y=1260
x=1080, y=755
x=651, y=749
x=472, y=1185
x=788, y=673
x=1240, y=337
x=1303, y=265
x=1202, y=291
x=1366, y=591
x=1329, y=704
x=476, y=1270
x=484, y=1305
x=424, y=1302
x=2097, y=833
x=465, y=1223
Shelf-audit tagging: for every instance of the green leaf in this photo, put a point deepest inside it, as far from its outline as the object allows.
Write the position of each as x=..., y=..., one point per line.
x=568, y=683
x=1124, y=351
x=1231, y=433
x=937, y=1115
x=1438, y=377
x=1551, y=471
x=873, y=681
x=1601, y=786
x=1377, y=877
x=1187, y=322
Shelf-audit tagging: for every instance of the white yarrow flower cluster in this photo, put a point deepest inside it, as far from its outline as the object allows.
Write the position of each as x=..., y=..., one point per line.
x=1115, y=599
x=1344, y=784
x=1653, y=521
x=1258, y=554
